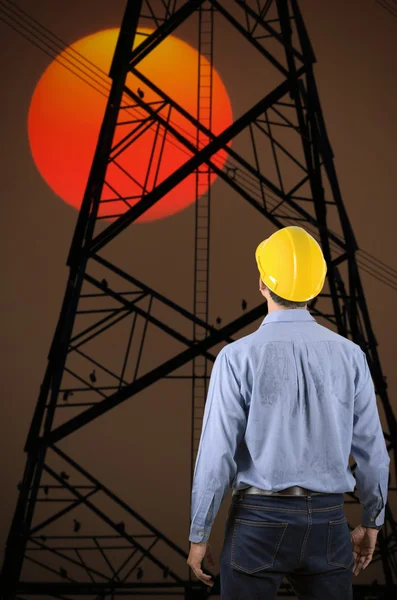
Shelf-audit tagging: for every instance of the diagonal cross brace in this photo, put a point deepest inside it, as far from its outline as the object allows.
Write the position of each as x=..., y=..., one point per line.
x=156, y=295
x=232, y=153
x=151, y=377
x=133, y=307
x=270, y=30
x=123, y=505
x=155, y=38
x=109, y=522
x=188, y=167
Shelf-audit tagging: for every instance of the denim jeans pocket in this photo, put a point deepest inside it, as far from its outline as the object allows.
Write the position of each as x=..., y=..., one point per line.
x=255, y=544
x=339, y=549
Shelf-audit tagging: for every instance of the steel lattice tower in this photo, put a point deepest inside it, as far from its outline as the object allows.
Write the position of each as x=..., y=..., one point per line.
x=303, y=181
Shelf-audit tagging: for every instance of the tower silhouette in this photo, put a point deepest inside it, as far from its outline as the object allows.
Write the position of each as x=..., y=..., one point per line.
x=288, y=177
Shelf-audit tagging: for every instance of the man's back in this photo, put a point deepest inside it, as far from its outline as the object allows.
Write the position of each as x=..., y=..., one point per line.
x=310, y=403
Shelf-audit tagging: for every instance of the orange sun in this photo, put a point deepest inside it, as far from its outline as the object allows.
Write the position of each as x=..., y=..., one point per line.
x=65, y=116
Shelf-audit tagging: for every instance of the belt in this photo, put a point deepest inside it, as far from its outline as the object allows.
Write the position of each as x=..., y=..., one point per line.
x=294, y=490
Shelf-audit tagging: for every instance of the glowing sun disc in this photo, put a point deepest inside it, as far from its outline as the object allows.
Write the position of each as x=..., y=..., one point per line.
x=65, y=116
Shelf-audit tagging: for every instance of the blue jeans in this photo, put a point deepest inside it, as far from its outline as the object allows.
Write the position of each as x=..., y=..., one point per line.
x=303, y=538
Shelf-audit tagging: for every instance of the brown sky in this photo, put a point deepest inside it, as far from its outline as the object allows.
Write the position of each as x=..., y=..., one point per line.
x=141, y=450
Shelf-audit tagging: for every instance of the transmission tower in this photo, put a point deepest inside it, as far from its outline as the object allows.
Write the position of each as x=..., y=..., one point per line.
x=286, y=184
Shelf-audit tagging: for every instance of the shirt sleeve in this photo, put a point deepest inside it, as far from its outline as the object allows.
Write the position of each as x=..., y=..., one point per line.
x=224, y=425
x=369, y=450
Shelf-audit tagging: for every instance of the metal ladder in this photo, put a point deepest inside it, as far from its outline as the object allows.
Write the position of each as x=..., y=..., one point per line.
x=203, y=196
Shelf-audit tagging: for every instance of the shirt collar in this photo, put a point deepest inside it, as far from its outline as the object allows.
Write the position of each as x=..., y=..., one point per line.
x=290, y=315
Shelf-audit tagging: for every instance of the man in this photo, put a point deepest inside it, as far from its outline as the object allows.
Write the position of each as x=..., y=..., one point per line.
x=286, y=407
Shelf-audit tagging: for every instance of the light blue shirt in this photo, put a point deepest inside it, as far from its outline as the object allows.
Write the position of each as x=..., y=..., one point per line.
x=286, y=406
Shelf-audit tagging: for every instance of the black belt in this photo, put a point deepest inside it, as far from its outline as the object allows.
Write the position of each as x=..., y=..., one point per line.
x=295, y=490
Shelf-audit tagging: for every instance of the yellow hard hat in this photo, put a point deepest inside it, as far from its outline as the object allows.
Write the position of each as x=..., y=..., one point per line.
x=291, y=264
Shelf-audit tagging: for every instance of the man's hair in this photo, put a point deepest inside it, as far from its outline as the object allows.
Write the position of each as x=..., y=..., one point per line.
x=286, y=303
